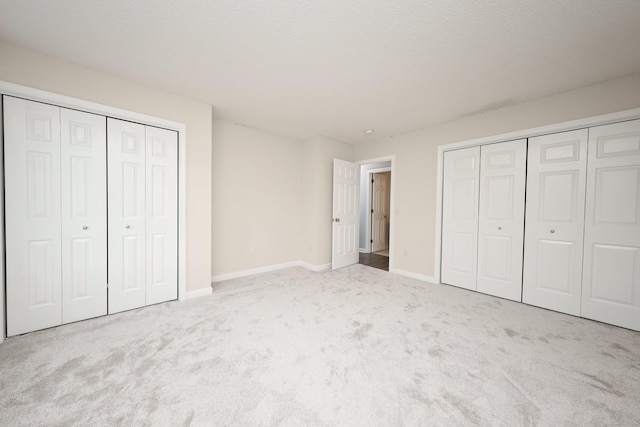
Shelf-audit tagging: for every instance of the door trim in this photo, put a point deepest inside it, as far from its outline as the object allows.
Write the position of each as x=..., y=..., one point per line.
x=602, y=119
x=7, y=88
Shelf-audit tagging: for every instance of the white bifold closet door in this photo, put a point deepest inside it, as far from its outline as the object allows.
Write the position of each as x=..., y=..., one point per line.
x=501, y=219
x=460, y=217
x=555, y=221
x=143, y=238
x=483, y=218
x=55, y=215
x=611, y=280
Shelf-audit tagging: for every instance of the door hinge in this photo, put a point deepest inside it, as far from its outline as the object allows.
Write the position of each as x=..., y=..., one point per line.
x=371, y=210
x=371, y=240
x=372, y=181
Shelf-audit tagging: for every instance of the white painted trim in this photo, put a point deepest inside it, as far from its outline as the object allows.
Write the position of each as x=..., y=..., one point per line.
x=417, y=276
x=603, y=119
x=253, y=271
x=3, y=329
x=438, y=234
x=266, y=269
x=312, y=267
x=392, y=203
x=378, y=170
x=198, y=293
x=7, y=88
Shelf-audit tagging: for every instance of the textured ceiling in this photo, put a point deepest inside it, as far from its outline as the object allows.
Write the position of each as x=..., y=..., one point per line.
x=338, y=67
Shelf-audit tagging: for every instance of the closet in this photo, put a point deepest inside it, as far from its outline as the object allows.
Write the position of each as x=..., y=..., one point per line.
x=483, y=218
x=611, y=267
x=55, y=215
x=580, y=250
x=556, y=184
x=143, y=206
x=66, y=258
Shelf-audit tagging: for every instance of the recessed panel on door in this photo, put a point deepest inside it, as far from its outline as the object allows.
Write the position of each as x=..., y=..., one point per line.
x=345, y=214
x=84, y=215
x=162, y=215
x=501, y=219
x=611, y=279
x=126, y=151
x=32, y=215
x=460, y=217
x=555, y=220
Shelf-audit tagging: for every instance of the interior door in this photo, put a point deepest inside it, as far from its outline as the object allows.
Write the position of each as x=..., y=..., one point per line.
x=32, y=215
x=162, y=215
x=611, y=280
x=127, y=204
x=345, y=214
x=380, y=212
x=84, y=215
x=555, y=221
x=460, y=217
x=501, y=219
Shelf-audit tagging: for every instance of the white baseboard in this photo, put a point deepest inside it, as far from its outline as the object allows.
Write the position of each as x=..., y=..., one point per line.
x=251, y=272
x=245, y=273
x=313, y=267
x=422, y=277
x=197, y=293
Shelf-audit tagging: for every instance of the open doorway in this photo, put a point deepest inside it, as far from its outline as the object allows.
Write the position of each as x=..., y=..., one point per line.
x=375, y=214
x=353, y=221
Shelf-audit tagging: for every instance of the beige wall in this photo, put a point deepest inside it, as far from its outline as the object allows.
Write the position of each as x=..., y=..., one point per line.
x=416, y=157
x=256, y=199
x=317, y=197
x=28, y=68
x=272, y=195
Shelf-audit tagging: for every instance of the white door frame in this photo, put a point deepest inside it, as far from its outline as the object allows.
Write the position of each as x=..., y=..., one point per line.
x=392, y=159
x=368, y=202
x=3, y=326
x=525, y=133
x=7, y=88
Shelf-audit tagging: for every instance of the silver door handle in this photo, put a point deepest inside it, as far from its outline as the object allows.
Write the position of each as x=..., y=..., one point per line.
x=337, y=220
x=128, y=226
x=84, y=227
x=552, y=231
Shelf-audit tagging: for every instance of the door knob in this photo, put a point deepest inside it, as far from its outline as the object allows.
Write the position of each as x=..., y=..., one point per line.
x=337, y=220
x=84, y=227
x=128, y=226
x=552, y=231
x=499, y=228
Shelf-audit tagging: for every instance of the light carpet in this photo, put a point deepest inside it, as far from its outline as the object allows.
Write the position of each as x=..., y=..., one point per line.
x=354, y=347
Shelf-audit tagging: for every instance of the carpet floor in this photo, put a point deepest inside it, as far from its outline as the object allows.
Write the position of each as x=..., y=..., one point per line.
x=354, y=347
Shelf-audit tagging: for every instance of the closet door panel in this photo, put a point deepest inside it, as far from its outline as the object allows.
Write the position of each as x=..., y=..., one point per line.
x=126, y=212
x=32, y=215
x=84, y=215
x=162, y=215
x=460, y=217
x=611, y=282
x=501, y=219
x=555, y=221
